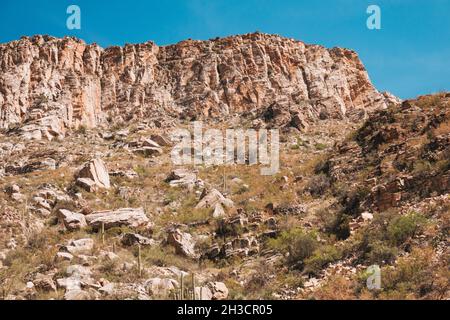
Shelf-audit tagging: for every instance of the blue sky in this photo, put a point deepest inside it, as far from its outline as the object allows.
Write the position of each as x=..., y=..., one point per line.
x=408, y=56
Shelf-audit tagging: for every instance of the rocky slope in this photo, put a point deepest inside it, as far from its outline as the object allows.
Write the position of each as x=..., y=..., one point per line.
x=104, y=214
x=48, y=85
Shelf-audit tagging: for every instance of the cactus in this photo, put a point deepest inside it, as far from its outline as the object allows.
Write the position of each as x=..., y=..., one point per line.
x=139, y=261
x=193, y=286
x=181, y=287
x=103, y=233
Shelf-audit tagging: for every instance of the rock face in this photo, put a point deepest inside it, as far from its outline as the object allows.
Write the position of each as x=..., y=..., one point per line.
x=50, y=84
x=404, y=152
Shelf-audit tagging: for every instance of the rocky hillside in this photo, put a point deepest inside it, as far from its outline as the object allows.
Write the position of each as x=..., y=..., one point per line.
x=91, y=206
x=48, y=85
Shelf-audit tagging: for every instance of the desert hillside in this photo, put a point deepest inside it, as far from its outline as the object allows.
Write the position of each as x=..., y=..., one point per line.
x=92, y=206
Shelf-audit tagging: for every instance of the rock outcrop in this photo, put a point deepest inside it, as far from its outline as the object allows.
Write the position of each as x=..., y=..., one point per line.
x=403, y=152
x=50, y=84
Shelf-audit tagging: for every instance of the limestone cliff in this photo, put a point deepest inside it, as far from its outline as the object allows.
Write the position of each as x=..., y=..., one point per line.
x=49, y=84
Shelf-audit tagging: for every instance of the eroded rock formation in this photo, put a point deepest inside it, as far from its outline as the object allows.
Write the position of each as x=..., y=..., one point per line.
x=49, y=84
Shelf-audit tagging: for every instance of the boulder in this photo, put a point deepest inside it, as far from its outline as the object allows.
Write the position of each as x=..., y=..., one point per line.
x=148, y=151
x=79, y=246
x=218, y=289
x=219, y=212
x=108, y=255
x=63, y=256
x=44, y=282
x=182, y=178
x=69, y=284
x=116, y=218
x=129, y=239
x=183, y=243
x=49, y=127
x=71, y=220
x=87, y=184
x=14, y=188
x=96, y=171
x=211, y=198
x=108, y=289
x=161, y=140
x=158, y=287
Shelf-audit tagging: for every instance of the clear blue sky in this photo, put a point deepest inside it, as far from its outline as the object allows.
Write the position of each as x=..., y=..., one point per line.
x=408, y=56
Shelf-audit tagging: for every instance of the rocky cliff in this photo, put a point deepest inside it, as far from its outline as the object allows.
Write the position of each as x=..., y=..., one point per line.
x=48, y=84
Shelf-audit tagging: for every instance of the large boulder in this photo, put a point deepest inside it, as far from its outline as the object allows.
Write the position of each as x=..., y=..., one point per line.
x=94, y=173
x=211, y=198
x=146, y=147
x=183, y=243
x=158, y=287
x=71, y=220
x=79, y=246
x=218, y=289
x=129, y=239
x=203, y=293
x=116, y=218
x=183, y=178
x=44, y=282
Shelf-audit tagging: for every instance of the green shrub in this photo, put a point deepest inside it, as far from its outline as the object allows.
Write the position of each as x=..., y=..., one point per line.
x=413, y=277
x=402, y=228
x=297, y=243
x=320, y=146
x=379, y=253
x=321, y=257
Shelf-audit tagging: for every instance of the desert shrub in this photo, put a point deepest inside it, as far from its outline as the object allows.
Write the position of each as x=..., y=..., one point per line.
x=422, y=166
x=142, y=171
x=108, y=266
x=226, y=229
x=297, y=243
x=318, y=185
x=321, y=257
x=336, y=288
x=379, y=253
x=351, y=199
x=320, y=146
x=259, y=281
x=403, y=227
x=81, y=130
x=414, y=276
x=338, y=225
